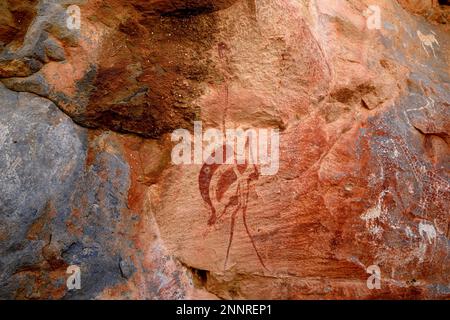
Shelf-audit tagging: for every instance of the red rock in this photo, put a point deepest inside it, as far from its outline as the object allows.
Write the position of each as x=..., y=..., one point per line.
x=363, y=177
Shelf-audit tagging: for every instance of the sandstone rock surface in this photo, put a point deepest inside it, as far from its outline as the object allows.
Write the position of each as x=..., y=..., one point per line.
x=85, y=138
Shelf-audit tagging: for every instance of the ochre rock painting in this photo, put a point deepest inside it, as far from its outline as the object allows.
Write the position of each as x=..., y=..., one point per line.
x=92, y=92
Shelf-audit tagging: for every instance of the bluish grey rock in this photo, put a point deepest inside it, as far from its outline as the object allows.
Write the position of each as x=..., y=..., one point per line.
x=44, y=181
x=41, y=155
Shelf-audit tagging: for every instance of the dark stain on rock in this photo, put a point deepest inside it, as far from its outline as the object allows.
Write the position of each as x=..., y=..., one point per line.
x=150, y=87
x=16, y=16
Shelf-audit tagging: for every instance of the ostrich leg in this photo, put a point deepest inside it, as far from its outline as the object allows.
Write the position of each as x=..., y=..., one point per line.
x=244, y=218
x=233, y=222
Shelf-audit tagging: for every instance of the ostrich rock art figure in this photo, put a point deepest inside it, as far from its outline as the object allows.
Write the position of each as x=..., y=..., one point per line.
x=225, y=189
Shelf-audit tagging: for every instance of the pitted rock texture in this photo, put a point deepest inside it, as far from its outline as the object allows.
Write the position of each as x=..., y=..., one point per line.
x=85, y=140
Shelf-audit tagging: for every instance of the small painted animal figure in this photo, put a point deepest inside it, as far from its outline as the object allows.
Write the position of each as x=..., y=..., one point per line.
x=428, y=40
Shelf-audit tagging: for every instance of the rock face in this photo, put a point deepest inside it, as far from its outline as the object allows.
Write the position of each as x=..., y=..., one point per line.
x=361, y=102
